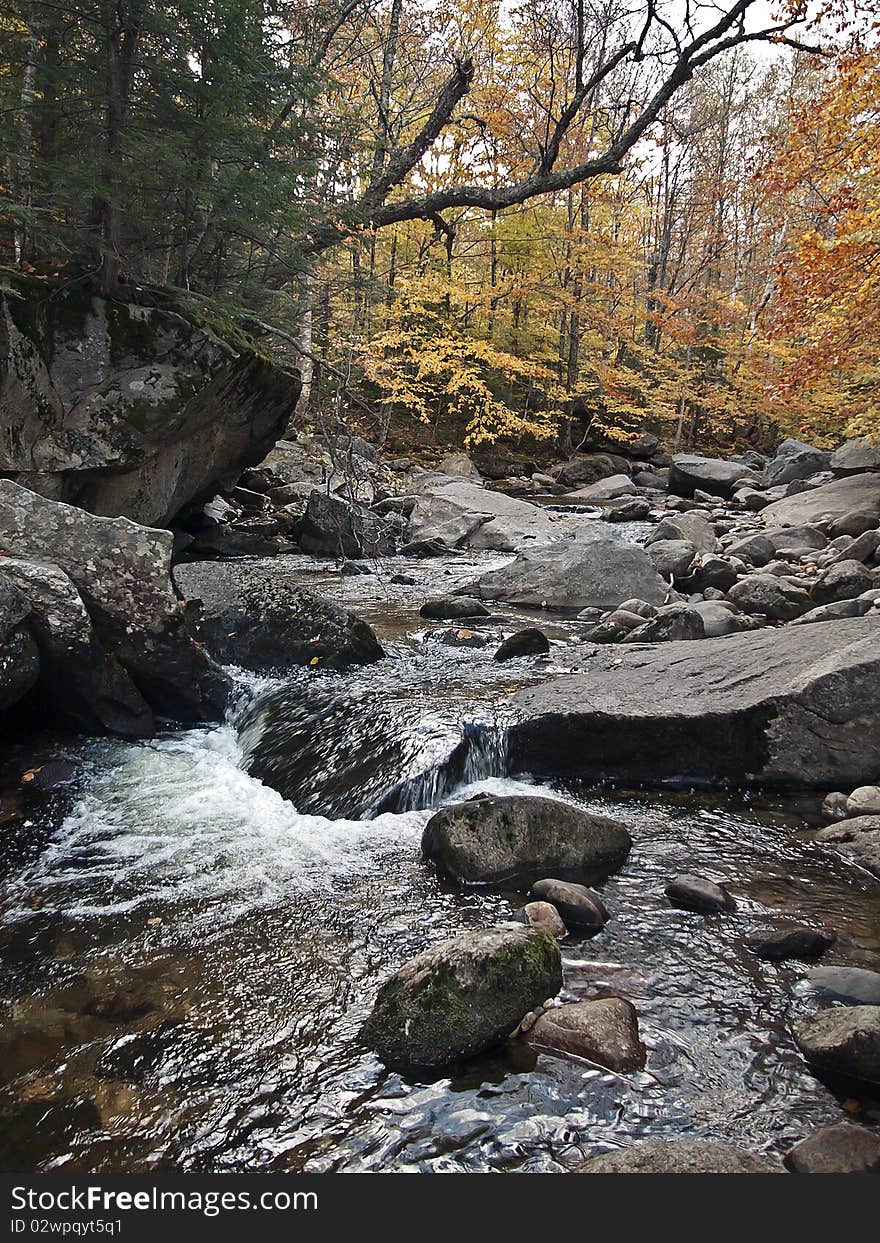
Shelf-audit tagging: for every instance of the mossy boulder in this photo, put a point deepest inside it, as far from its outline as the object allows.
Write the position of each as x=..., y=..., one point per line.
x=510, y=838
x=462, y=996
x=126, y=406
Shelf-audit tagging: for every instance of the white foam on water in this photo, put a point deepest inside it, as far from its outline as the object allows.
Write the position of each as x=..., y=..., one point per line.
x=179, y=818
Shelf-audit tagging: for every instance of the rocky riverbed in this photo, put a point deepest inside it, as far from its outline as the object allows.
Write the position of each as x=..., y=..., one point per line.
x=212, y=932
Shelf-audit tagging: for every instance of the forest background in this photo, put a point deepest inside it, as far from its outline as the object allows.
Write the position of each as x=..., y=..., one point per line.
x=464, y=220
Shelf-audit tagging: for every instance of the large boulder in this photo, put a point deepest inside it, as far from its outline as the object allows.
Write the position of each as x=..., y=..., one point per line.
x=79, y=681
x=584, y=469
x=830, y=502
x=604, y=490
x=465, y=515
x=251, y=614
x=589, y=570
x=463, y=996
x=793, y=707
x=691, y=473
x=506, y=838
x=794, y=460
x=842, y=1041
x=853, y=456
x=691, y=527
x=332, y=527
x=121, y=572
x=605, y=1031
x=123, y=407
x=680, y=1156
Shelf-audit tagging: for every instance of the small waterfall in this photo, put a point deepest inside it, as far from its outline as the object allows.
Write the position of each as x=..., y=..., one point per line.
x=482, y=752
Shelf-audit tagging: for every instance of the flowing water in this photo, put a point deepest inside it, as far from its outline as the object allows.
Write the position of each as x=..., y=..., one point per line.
x=188, y=955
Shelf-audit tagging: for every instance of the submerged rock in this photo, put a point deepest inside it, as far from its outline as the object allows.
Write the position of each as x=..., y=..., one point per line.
x=695, y=893
x=506, y=837
x=796, y=707
x=453, y=608
x=529, y=642
x=251, y=615
x=463, y=996
x=680, y=1156
x=579, y=907
x=792, y=943
x=605, y=1031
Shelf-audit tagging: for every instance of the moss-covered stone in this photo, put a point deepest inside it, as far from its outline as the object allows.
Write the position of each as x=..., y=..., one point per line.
x=463, y=996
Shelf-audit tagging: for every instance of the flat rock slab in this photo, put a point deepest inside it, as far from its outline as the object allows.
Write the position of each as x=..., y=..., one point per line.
x=467, y=515
x=831, y=501
x=789, y=708
x=589, y=570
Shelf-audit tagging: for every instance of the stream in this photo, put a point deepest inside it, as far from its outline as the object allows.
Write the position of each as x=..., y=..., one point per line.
x=187, y=955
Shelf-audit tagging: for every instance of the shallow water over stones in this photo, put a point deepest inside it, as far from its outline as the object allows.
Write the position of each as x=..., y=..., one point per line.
x=188, y=957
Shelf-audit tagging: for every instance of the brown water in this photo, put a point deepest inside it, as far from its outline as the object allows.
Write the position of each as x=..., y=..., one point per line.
x=187, y=957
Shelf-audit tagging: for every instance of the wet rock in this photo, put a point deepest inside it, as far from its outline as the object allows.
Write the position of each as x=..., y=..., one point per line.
x=841, y=581
x=252, y=615
x=862, y=453
x=673, y=622
x=529, y=642
x=615, y=627
x=404, y=580
x=590, y=570
x=579, y=907
x=826, y=504
x=694, y=893
x=690, y=471
x=853, y=986
x=542, y=915
x=508, y=837
x=453, y=608
x=857, y=839
x=792, y=942
x=841, y=1149
x=842, y=1041
x=605, y=1031
x=332, y=527
x=769, y=596
x=680, y=1156
x=456, y=637
x=462, y=996
x=806, y=716
x=834, y=804
x=121, y=407
x=122, y=574
x=864, y=801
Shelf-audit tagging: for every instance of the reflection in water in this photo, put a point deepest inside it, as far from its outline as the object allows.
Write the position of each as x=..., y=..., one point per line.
x=191, y=955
